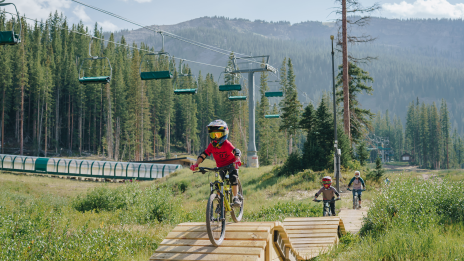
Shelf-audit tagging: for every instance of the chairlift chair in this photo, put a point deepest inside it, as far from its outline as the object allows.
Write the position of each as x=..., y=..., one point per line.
x=94, y=79
x=188, y=77
x=232, y=85
x=10, y=37
x=160, y=74
x=273, y=94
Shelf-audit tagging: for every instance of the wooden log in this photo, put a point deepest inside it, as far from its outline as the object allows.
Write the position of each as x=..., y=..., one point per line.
x=228, y=236
x=176, y=256
x=225, y=243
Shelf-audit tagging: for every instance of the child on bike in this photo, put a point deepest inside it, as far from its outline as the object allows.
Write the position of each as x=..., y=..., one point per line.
x=358, y=184
x=224, y=153
x=328, y=193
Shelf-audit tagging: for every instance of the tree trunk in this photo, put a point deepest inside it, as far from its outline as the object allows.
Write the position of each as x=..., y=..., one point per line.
x=46, y=123
x=21, y=136
x=290, y=145
x=72, y=127
x=117, y=138
x=346, y=91
x=109, y=123
x=69, y=121
x=57, y=119
x=141, y=123
x=3, y=122
x=101, y=118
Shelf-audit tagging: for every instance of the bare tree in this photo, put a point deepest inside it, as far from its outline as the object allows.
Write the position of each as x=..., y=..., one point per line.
x=359, y=17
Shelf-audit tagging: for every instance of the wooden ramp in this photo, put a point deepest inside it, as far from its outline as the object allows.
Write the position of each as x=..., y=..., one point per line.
x=353, y=218
x=294, y=239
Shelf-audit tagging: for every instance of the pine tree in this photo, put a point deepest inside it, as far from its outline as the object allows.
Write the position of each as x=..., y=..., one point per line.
x=360, y=119
x=445, y=131
x=291, y=106
x=363, y=154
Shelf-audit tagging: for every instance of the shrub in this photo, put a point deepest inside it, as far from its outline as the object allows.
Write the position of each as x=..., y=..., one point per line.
x=415, y=203
x=154, y=204
x=280, y=211
x=292, y=165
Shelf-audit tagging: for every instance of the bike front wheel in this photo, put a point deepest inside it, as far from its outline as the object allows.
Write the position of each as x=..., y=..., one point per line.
x=215, y=223
x=237, y=213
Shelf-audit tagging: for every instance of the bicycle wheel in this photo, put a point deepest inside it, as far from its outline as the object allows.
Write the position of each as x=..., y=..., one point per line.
x=215, y=224
x=326, y=210
x=238, y=216
x=355, y=201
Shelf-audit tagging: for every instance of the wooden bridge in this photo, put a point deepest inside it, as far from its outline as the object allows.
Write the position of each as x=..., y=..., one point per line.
x=294, y=239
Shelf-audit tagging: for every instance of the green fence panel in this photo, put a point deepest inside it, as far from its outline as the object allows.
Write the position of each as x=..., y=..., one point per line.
x=41, y=164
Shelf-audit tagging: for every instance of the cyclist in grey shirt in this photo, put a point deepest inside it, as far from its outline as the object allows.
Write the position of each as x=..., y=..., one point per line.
x=328, y=192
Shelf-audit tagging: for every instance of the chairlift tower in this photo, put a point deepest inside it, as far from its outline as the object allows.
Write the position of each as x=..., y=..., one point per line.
x=252, y=153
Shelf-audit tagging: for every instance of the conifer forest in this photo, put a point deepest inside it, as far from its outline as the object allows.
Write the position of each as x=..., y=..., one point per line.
x=46, y=112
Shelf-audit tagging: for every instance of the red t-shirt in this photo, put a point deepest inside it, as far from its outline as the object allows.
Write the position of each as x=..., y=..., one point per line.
x=223, y=155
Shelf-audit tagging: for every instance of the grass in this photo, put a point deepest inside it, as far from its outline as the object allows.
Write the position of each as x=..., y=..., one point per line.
x=51, y=218
x=412, y=219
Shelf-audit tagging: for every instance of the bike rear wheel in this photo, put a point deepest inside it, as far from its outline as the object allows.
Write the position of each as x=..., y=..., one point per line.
x=215, y=223
x=237, y=213
x=355, y=201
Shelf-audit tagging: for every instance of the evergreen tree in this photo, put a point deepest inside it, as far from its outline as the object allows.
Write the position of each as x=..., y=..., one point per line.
x=291, y=106
x=363, y=154
x=360, y=119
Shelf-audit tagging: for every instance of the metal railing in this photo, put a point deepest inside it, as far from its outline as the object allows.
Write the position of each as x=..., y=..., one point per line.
x=86, y=168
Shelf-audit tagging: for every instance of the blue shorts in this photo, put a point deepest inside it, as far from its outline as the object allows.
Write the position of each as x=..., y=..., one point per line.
x=359, y=192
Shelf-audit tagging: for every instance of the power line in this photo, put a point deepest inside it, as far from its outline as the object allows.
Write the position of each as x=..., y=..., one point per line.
x=102, y=39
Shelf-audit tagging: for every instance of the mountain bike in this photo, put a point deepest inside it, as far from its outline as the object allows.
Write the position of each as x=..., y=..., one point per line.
x=326, y=203
x=355, y=197
x=219, y=203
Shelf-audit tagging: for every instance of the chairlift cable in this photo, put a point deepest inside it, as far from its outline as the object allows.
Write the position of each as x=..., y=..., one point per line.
x=101, y=39
x=199, y=44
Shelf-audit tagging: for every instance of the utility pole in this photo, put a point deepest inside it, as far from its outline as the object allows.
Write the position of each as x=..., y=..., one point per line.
x=337, y=153
x=346, y=90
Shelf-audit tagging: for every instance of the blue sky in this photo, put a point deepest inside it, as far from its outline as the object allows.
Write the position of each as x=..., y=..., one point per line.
x=149, y=12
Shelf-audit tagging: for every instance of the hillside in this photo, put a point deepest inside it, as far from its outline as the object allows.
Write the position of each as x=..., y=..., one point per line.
x=416, y=58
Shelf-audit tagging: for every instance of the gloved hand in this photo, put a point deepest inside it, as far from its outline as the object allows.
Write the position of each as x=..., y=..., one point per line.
x=237, y=163
x=194, y=167
x=338, y=198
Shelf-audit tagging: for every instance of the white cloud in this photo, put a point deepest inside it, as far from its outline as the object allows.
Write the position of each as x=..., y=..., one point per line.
x=40, y=9
x=81, y=14
x=426, y=9
x=107, y=26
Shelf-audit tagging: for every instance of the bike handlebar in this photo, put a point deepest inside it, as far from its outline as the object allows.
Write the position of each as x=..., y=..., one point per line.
x=204, y=169
x=356, y=189
x=328, y=200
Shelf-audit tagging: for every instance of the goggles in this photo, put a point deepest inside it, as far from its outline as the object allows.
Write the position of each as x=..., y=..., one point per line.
x=326, y=182
x=216, y=135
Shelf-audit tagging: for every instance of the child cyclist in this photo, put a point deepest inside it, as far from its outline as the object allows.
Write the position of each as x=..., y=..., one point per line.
x=358, y=184
x=224, y=154
x=328, y=193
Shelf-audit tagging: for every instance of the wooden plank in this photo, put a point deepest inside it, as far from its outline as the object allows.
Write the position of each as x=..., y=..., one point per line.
x=271, y=224
x=176, y=256
x=322, y=223
x=225, y=243
x=311, y=231
x=301, y=246
x=229, y=235
x=313, y=227
x=301, y=219
x=297, y=241
x=321, y=235
x=228, y=229
x=211, y=250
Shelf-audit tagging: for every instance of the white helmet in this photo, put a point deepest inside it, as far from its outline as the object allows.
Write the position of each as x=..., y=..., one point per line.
x=357, y=174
